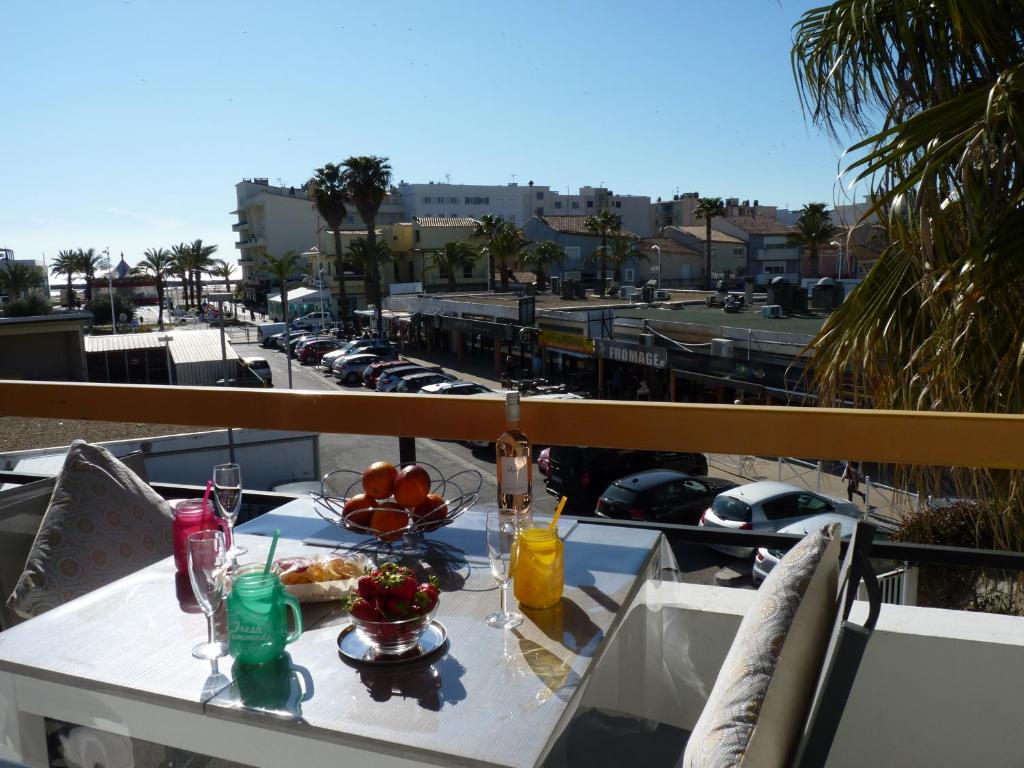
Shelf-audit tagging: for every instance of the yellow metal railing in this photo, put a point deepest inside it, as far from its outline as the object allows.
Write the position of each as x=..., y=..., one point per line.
x=902, y=437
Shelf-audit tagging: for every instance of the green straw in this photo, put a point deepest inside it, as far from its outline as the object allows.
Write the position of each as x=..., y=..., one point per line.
x=270, y=555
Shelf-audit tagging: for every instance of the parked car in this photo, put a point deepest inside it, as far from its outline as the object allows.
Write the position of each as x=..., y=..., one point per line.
x=768, y=506
x=381, y=353
x=311, y=351
x=244, y=378
x=766, y=559
x=373, y=371
x=313, y=320
x=300, y=343
x=456, y=387
x=350, y=370
x=661, y=496
x=261, y=367
x=582, y=474
x=353, y=347
x=544, y=462
x=282, y=343
x=390, y=378
x=416, y=381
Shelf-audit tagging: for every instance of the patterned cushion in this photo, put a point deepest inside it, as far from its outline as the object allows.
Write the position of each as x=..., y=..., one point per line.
x=102, y=523
x=756, y=710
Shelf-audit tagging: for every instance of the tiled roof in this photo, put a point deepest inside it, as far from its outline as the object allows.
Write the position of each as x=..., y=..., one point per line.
x=700, y=231
x=573, y=225
x=667, y=246
x=758, y=225
x=443, y=221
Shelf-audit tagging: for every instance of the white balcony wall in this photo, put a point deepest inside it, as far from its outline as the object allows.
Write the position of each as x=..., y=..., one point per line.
x=936, y=688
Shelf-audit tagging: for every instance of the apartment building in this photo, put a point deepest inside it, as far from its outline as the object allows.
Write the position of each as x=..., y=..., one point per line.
x=678, y=212
x=769, y=254
x=512, y=202
x=728, y=253
x=277, y=219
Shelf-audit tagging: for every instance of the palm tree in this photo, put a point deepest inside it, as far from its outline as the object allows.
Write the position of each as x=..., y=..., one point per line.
x=179, y=267
x=935, y=325
x=200, y=260
x=327, y=190
x=620, y=250
x=17, y=278
x=547, y=252
x=66, y=263
x=157, y=262
x=360, y=255
x=367, y=180
x=281, y=269
x=709, y=208
x=814, y=228
x=452, y=258
x=604, y=224
x=505, y=246
x=88, y=262
x=485, y=229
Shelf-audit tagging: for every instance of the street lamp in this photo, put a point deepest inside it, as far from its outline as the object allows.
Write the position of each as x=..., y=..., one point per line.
x=658, y=249
x=110, y=288
x=839, y=265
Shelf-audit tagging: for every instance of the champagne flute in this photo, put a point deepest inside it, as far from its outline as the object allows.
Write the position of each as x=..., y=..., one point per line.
x=227, y=494
x=501, y=537
x=207, y=570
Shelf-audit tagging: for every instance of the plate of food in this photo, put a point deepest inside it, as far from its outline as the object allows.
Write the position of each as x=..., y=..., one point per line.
x=319, y=578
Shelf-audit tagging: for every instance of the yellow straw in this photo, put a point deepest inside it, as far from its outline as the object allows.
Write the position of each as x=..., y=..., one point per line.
x=553, y=525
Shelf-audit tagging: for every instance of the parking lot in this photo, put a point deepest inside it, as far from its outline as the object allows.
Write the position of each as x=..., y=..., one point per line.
x=343, y=451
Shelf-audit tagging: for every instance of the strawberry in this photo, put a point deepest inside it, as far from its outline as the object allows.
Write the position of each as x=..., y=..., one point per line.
x=397, y=609
x=363, y=609
x=405, y=588
x=366, y=587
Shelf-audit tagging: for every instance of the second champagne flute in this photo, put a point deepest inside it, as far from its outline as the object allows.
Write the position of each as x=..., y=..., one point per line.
x=501, y=537
x=227, y=493
x=207, y=571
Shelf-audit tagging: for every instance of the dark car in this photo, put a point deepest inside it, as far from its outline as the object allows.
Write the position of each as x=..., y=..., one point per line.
x=660, y=496
x=582, y=473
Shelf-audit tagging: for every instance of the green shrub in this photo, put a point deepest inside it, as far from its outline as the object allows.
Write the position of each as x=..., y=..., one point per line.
x=33, y=304
x=100, y=308
x=968, y=589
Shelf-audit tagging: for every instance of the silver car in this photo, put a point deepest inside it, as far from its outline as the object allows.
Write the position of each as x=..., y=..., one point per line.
x=349, y=369
x=768, y=506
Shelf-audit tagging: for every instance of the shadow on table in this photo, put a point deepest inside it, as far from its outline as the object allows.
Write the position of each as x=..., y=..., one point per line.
x=277, y=687
x=433, y=684
x=567, y=624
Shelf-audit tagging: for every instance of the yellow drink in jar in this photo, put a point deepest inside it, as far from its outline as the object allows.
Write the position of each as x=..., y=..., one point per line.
x=538, y=567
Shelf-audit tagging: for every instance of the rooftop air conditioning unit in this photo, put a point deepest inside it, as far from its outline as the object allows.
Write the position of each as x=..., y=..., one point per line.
x=662, y=295
x=721, y=347
x=771, y=310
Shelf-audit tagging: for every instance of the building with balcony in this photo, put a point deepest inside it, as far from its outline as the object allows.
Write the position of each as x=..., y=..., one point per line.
x=512, y=202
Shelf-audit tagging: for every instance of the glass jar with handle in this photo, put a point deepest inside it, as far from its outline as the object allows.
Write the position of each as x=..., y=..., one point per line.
x=257, y=616
x=538, y=566
x=190, y=516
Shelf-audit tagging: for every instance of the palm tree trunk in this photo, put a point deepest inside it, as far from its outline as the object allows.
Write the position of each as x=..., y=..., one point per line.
x=70, y=298
x=339, y=267
x=504, y=273
x=602, y=266
x=160, y=301
x=617, y=277
x=451, y=279
x=374, y=270
x=287, y=329
x=542, y=279
x=707, y=253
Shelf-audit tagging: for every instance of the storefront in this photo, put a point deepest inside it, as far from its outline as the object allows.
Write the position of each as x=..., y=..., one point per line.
x=760, y=379
x=570, y=359
x=627, y=370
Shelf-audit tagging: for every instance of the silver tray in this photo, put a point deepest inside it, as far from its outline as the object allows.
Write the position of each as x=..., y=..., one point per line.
x=354, y=648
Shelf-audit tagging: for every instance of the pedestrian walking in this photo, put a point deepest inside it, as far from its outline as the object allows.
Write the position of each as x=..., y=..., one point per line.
x=252, y=316
x=643, y=392
x=852, y=478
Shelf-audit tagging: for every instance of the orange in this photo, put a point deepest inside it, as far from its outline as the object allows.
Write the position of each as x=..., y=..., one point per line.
x=389, y=519
x=412, y=484
x=432, y=509
x=357, y=509
x=379, y=479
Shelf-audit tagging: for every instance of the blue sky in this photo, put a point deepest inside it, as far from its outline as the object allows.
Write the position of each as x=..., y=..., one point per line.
x=126, y=124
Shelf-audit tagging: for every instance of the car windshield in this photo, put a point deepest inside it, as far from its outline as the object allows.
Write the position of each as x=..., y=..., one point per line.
x=728, y=508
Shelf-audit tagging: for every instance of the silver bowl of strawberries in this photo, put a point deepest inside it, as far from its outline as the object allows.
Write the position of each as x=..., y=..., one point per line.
x=390, y=610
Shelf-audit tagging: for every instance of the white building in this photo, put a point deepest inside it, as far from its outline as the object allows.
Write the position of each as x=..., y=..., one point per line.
x=516, y=203
x=276, y=220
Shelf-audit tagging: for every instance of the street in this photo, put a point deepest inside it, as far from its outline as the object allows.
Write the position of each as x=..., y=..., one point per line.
x=698, y=564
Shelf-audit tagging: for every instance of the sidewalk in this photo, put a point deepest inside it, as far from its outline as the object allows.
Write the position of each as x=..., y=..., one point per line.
x=745, y=469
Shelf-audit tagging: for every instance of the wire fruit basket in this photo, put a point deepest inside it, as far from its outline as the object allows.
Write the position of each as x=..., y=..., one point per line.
x=450, y=496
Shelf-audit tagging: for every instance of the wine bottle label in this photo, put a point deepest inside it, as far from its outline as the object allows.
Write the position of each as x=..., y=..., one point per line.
x=514, y=475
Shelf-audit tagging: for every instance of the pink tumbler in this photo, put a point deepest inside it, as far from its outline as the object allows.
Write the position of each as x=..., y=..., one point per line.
x=189, y=517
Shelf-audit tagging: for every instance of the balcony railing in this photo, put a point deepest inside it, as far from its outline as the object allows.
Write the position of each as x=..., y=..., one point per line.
x=901, y=437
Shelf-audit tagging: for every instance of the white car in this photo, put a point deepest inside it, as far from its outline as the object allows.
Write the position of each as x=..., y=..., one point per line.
x=766, y=559
x=768, y=506
x=456, y=388
x=313, y=320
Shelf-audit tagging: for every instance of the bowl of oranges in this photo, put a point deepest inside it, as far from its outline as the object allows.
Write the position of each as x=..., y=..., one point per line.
x=389, y=501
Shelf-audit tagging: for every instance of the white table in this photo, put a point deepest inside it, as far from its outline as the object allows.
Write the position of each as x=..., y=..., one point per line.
x=118, y=660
